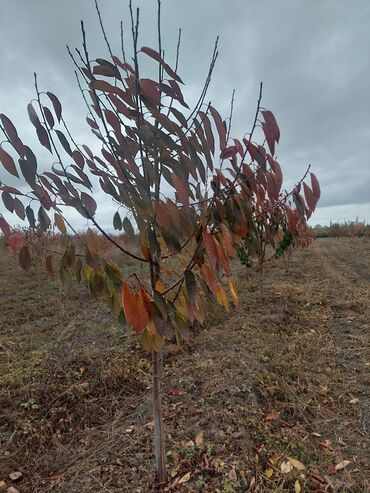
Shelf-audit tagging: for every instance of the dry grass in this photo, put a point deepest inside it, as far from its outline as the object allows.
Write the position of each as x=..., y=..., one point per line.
x=283, y=377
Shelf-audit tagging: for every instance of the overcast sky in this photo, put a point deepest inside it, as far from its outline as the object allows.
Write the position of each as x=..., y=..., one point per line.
x=312, y=56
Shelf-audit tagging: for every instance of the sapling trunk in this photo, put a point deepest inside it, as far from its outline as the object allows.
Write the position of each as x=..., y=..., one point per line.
x=261, y=277
x=159, y=446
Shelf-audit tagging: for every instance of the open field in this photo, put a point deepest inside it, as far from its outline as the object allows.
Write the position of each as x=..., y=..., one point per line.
x=281, y=378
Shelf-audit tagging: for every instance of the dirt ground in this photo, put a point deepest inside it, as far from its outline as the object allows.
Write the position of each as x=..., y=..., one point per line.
x=271, y=398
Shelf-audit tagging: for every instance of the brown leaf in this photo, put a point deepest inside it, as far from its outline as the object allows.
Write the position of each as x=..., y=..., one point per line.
x=199, y=439
x=8, y=163
x=25, y=260
x=56, y=105
x=178, y=391
x=211, y=248
x=271, y=416
x=14, y=476
x=342, y=465
x=185, y=478
x=150, y=90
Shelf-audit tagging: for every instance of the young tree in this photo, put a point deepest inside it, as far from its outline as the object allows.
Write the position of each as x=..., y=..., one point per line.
x=164, y=165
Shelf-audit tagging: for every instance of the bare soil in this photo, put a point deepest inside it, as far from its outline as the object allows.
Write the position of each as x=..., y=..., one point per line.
x=273, y=397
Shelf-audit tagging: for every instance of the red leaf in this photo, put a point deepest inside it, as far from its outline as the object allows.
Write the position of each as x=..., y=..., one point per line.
x=178, y=391
x=78, y=158
x=228, y=152
x=222, y=257
x=210, y=279
x=315, y=187
x=56, y=105
x=15, y=241
x=220, y=127
x=43, y=137
x=49, y=117
x=89, y=203
x=211, y=248
x=8, y=163
x=157, y=57
x=5, y=228
x=272, y=125
x=8, y=201
x=33, y=115
x=310, y=199
x=228, y=241
x=271, y=416
x=150, y=90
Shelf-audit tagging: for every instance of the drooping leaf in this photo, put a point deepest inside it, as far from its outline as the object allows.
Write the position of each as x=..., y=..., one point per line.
x=43, y=137
x=33, y=115
x=150, y=90
x=25, y=260
x=48, y=116
x=8, y=201
x=211, y=249
x=43, y=219
x=58, y=220
x=27, y=171
x=315, y=187
x=8, y=163
x=4, y=226
x=129, y=230
x=19, y=208
x=89, y=203
x=191, y=286
x=56, y=105
x=64, y=142
x=133, y=305
x=30, y=217
x=156, y=56
x=220, y=127
x=117, y=222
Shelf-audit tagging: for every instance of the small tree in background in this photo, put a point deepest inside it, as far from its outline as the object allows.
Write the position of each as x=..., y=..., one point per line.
x=186, y=195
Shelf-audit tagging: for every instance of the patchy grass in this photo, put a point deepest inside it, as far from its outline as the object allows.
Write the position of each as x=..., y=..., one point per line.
x=284, y=379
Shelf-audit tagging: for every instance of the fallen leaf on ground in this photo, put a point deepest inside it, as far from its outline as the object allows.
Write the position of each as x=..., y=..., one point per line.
x=271, y=416
x=232, y=475
x=14, y=476
x=199, y=438
x=342, y=465
x=11, y=489
x=178, y=391
x=297, y=487
x=184, y=478
x=297, y=464
x=286, y=467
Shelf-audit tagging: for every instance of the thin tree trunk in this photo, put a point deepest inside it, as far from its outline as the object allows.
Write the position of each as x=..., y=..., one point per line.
x=261, y=278
x=159, y=446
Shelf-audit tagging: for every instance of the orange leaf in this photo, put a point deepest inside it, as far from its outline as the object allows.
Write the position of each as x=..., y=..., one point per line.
x=222, y=257
x=228, y=241
x=134, y=308
x=211, y=248
x=210, y=279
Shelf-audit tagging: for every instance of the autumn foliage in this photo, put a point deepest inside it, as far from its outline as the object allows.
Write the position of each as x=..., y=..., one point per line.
x=186, y=192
